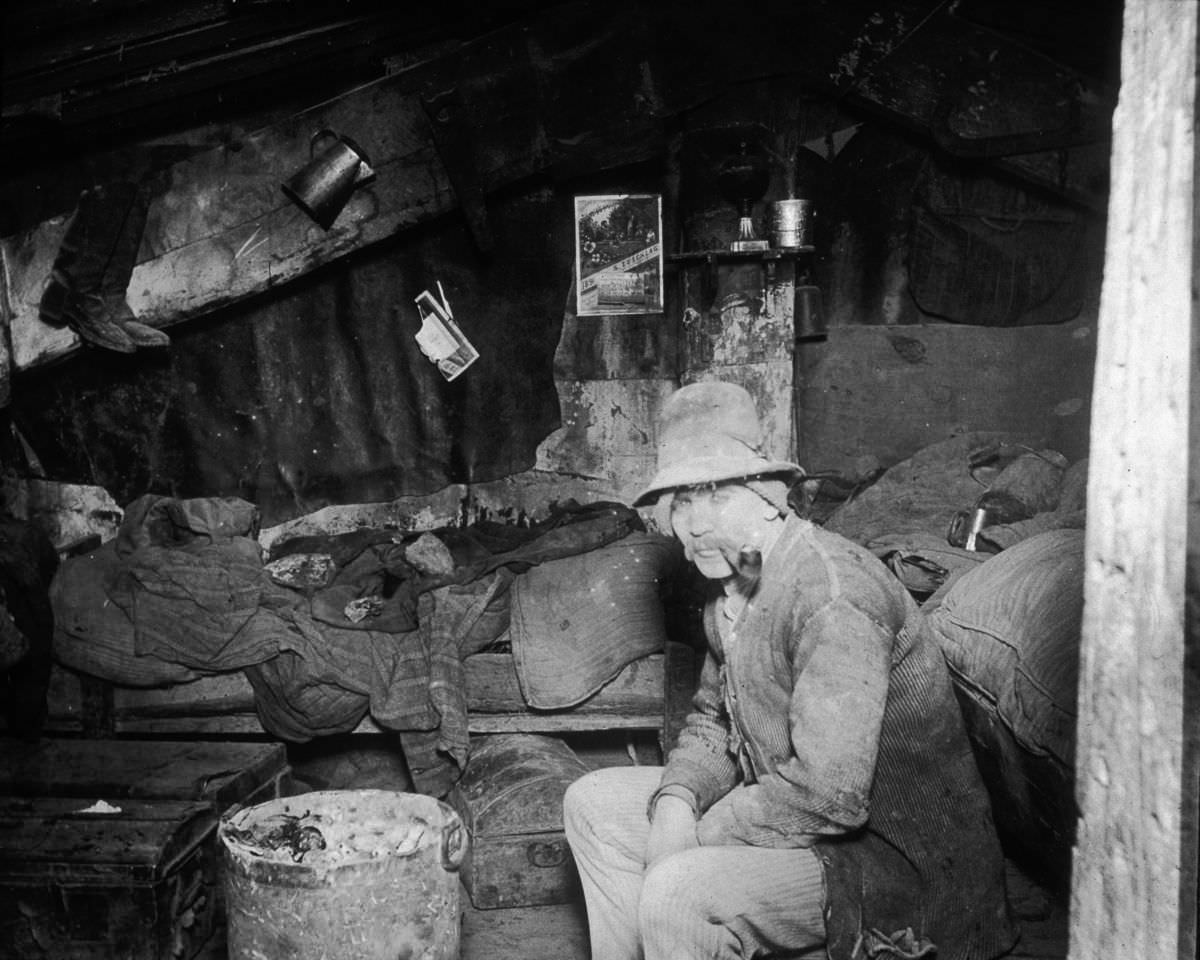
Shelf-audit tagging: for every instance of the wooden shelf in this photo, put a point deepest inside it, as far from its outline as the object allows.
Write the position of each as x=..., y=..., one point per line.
x=739, y=256
x=709, y=262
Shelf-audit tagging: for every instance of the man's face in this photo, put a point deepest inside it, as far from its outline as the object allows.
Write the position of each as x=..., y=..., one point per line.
x=714, y=522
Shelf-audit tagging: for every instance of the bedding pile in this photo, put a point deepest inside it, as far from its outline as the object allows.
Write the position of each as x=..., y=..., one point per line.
x=331, y=629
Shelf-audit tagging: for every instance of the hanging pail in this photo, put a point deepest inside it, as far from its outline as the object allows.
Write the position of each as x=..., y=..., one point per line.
x=352, y=874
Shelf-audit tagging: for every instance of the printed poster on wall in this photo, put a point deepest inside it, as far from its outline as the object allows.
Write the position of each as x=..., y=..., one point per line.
x=618, y=255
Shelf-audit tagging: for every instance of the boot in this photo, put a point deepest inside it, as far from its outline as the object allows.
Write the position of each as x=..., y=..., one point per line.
x=142, y=334
x=86, y=290
x=87, y=314
x=119, y=270
x=82, y=255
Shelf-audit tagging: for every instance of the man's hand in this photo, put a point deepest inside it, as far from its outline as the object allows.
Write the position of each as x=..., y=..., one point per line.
x=672, y=830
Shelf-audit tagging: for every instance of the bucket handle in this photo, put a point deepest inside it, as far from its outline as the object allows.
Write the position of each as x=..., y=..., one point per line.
x=454, y=846
x=339, y=138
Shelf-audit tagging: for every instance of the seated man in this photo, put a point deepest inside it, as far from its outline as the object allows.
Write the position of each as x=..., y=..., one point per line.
x=823, y=793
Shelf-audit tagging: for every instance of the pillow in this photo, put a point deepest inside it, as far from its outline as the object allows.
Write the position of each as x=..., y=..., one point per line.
x=578, y=621
x=93, y=634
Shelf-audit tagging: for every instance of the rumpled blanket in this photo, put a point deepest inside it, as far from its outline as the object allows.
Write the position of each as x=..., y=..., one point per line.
x=907, y=516
x=378, y=635
x=412, y=683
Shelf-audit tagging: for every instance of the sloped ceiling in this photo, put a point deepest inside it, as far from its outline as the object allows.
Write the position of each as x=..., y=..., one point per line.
x=80, y=74
x=576, y=86
x=87, y=71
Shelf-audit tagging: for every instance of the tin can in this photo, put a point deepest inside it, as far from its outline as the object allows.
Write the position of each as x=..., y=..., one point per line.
x=791, y=224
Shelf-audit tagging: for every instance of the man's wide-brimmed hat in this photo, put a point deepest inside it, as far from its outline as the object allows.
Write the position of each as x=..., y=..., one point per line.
x=709, y=432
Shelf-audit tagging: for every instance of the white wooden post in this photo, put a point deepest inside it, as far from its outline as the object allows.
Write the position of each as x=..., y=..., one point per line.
x=1133, y=887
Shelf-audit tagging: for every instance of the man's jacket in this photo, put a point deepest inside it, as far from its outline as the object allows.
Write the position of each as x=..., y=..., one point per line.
x=825, y=717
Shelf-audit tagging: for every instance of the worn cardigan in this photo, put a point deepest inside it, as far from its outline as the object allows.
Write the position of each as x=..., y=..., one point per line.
x=826, y=719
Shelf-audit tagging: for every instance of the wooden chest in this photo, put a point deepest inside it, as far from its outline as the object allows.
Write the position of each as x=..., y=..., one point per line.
x=510, y=798
x=108, y=848
x=81, y=880
x=223, y=772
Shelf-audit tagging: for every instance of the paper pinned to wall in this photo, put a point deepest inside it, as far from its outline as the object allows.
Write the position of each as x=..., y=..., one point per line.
x=440, y=338
x=618, y=255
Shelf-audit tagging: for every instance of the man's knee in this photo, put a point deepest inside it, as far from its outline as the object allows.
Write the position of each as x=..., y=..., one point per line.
x=673, y=896
x=582, y=801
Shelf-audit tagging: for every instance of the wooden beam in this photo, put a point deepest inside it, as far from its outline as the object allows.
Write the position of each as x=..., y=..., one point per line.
x=1131, y=893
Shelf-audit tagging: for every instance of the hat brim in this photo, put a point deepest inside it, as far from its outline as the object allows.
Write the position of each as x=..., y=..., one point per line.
x=691, y=473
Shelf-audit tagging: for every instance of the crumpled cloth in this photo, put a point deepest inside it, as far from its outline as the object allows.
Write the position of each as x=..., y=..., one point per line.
x=373, y=564
x=190, y=579
x=412, y=682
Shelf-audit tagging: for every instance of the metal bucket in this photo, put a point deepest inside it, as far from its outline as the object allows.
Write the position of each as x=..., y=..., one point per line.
x=352, y=874
x=792, y=224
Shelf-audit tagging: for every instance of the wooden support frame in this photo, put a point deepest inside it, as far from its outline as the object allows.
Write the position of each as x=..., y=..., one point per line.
x=652, y=694
x=1134, y=872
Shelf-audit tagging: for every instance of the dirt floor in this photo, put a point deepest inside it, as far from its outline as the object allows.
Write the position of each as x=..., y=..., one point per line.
x=559, y=932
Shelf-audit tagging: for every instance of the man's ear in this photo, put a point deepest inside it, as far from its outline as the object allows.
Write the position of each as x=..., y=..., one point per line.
x=660, y=513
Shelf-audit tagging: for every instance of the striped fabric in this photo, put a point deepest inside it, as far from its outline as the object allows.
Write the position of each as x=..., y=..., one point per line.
x=727, y=901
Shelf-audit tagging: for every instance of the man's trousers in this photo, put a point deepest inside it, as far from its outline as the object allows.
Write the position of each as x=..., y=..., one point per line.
x=706, y=902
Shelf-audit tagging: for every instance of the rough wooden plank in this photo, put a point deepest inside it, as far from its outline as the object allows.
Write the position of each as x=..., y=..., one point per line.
x=224, y=703
x=586, y=722
x=493, y=687
x=1131, y=893
x=222, y=695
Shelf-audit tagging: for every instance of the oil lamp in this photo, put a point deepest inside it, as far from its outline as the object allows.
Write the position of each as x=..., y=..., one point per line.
x=742, y=179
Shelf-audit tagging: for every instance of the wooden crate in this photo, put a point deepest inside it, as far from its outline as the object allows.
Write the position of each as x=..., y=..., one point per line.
x=510, y=797
x=134, y=879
